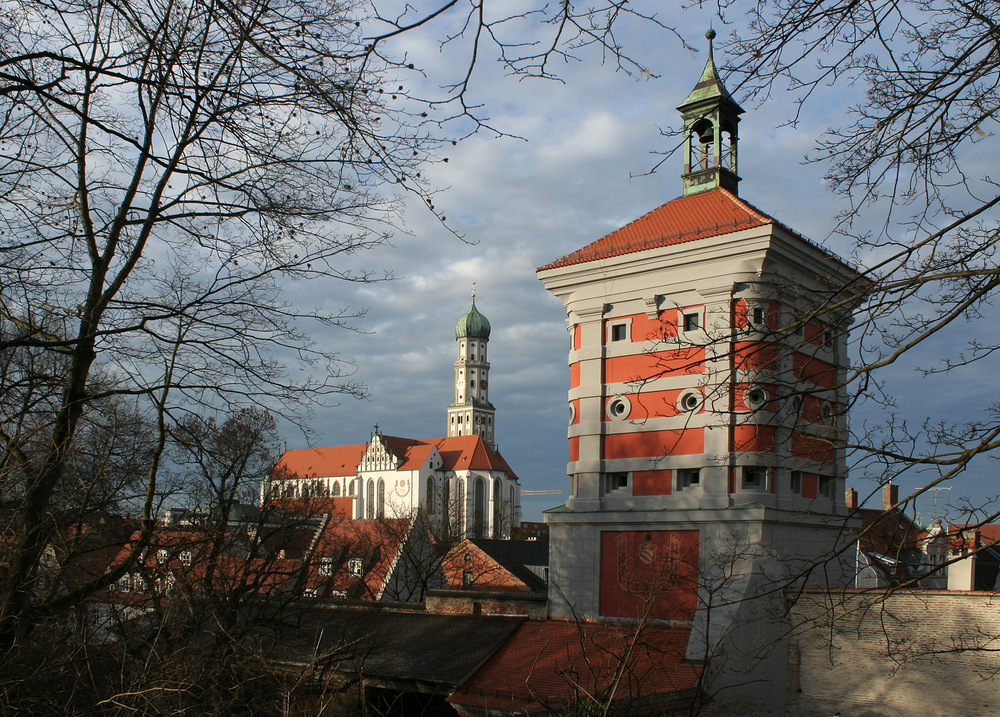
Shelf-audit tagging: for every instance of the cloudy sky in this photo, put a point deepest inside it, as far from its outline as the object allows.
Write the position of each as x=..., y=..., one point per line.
x=579, y=170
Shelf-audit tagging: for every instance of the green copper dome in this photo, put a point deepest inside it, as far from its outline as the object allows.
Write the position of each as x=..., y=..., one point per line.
x=472, y=325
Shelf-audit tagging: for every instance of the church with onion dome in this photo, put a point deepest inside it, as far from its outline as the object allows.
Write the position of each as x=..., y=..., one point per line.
x=471, y=413
x=460, y=481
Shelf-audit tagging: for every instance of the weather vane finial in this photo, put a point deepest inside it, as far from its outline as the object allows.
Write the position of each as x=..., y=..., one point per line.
x=473, y=290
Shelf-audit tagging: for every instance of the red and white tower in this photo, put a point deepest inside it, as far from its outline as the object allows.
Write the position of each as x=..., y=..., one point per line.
x=707, y=397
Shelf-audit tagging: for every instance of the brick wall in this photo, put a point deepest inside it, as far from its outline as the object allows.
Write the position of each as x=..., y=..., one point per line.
x=919, y=653
x=460, y=602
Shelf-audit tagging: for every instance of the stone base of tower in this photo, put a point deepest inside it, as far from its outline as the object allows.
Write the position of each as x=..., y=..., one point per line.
x=727, y=573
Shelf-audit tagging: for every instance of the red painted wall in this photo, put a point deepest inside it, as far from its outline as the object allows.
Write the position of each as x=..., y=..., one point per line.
x=754, y=439
x=652, y=572
x=651, y=482
x=652, y=444
x=574, y=448
x=807, y=368
x=812, y=447
x=645, y=366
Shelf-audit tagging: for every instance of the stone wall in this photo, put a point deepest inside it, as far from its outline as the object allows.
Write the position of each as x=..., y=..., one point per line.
x=859, y=654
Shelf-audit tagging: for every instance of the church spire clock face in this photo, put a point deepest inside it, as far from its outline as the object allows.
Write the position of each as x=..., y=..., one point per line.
x=471, y=413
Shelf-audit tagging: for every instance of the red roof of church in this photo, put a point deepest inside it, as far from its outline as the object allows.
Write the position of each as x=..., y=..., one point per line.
x=681, y=220
x=460, y=452
x=332, y=461
x=457, y=453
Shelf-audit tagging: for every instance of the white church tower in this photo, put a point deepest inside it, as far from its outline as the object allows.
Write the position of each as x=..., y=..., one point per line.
x=471, y=413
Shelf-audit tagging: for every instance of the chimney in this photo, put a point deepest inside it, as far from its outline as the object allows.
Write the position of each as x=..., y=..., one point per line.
x=851, y=498
x=890, y=496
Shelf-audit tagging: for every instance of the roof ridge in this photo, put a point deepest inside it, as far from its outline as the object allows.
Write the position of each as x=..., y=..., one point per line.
x=740, y=201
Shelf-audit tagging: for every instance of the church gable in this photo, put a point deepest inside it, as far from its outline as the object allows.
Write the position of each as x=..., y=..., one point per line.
x=378, y=456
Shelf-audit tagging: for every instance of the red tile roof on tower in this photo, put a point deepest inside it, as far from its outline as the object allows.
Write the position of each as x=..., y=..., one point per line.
x=322, y=462
x=685, y=219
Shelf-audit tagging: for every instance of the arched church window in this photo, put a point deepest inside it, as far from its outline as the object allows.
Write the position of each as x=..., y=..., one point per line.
x=479, y=508
x=446, y=506
x=370, y=500
x=497, y=508
x=460, y=508
x=430, y=495
x=336, y=489
x=381, y=498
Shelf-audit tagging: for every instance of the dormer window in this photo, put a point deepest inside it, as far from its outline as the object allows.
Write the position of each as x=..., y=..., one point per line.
x=355, y=567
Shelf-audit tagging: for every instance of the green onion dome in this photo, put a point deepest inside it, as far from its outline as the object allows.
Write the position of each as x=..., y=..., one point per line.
x=472, y=325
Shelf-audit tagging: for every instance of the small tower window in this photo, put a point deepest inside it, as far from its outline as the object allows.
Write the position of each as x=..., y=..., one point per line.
x=691, y=322
x=615, y=481
x=619, y=332
x=687, y=477
x=755, y=477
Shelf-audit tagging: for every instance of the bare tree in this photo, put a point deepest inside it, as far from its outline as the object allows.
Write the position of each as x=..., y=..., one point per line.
x=167, y=169
x=921, y=204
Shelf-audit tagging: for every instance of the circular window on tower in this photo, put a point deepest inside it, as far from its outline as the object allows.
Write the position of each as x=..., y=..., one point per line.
x=618, y=408
x=689, y=401
x=755, y=398
x=572, y=412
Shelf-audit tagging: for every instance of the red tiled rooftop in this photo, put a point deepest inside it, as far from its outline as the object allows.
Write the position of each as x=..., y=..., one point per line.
x=377, y=542
x=545, y=665
x=459, y=452
x=681, y=220
x=322, y=462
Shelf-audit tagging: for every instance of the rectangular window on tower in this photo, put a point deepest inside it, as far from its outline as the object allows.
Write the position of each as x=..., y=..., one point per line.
x=615, y=481
x=755, y=477
x=687, y=477
x=691, y=322
x=619, y=332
